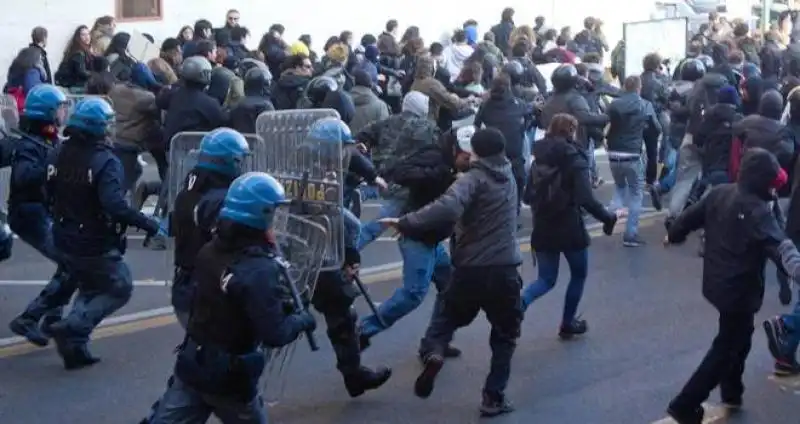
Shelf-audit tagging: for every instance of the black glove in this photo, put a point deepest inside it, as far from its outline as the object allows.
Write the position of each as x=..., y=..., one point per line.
x=608, y=226
x=305, y=321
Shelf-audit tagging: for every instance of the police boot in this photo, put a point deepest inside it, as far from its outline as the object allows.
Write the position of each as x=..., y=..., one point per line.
x=365, y=379
x=74, y=356
x=28, y=328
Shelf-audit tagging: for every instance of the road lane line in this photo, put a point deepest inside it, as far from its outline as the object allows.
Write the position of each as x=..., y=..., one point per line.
x=100, y=333
x=371, y=275
x=713, y=414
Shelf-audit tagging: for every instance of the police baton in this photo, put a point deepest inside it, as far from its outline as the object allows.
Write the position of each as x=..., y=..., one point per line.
x=363, y=289
x=298, y=301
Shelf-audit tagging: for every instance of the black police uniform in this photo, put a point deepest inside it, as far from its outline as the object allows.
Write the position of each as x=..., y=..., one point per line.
x=90, y=217
x=195, y=214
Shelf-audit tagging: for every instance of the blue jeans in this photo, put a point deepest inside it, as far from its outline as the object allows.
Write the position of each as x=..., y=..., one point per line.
x=670, y=160
x=421, y=264
x=182, y=404
x=792, y=323
x=33, y=225
x=592, y=160
x=352, y=229
x=548, y=263
x=105, y=286
x=390, y=208
x=629, y=190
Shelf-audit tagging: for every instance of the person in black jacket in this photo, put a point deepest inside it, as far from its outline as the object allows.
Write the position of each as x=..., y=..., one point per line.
x=257, y=82
x=291, y=84
x=766, y=131
x=741, y=233
x=715, y=137
x=558, y=191
x=512, y=117
x=74, y=70
x=566, y=99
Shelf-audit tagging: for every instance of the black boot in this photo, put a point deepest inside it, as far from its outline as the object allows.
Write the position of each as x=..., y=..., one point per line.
x=74, y=356
x=423, y=387
x=29, y=329
x=366, y=379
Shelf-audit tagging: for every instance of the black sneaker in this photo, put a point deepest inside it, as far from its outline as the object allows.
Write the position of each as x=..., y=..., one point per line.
x=366, y=379
x=423, y=387
x=775, y=332
x=28, y=329
x=576, y=328
x=686, y=417
x=634, y=241
x=494, y=405
x=655, y=197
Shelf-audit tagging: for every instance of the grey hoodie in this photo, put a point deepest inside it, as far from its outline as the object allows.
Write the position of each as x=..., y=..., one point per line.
x=368, y=108
x=483, y=202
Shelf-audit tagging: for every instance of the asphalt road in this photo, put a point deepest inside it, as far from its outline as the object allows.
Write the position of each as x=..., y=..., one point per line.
x=649, y=328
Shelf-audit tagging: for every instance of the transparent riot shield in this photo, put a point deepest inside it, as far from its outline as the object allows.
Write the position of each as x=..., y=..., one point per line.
x=302, y=244
x=311, y=171
x=9, y=113
x=9, y=120
x=183, y=155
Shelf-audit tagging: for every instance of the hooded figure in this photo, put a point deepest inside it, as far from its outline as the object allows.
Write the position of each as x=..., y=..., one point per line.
x=765, y=130
x=425, y=83
x=257, y=100
x=741, y=233
x=715, y=136
x=368, y=106
x=119, y=60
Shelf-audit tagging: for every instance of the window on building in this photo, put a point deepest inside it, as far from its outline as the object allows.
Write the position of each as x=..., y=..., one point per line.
x=138, y=9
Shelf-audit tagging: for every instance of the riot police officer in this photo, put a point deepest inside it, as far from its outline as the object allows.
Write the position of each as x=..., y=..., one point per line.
x=28, y=217
x=236, y=310
x=90, y=217
x=324, y=92
x=257, y=82
x=222, y=153
x=335, y=292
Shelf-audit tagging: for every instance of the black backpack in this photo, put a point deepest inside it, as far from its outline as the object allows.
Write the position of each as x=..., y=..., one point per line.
x=545, y=191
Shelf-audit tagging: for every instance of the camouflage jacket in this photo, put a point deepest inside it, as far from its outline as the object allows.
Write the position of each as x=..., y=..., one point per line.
x=394, y=139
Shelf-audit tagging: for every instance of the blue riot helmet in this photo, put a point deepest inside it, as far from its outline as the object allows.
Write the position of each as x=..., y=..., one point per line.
x=252, y=199
x=332, y=130
x=92, y=115
x=223, y=150
x=45, y=102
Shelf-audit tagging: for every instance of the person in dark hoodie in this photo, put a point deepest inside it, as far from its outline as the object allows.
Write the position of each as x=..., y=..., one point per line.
x=719, y=53
x=512, y=117
x=202, y=31
x=531, y=76
x=558, y=191
x=274, y=47
x=770, y=57
x=257, y=83
x=486, y=256
x=715, y=137
x=741, y=234
x=292, y=82
x=765, y=130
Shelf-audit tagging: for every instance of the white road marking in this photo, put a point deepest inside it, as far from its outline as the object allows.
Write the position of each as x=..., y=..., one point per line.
x=150, y=313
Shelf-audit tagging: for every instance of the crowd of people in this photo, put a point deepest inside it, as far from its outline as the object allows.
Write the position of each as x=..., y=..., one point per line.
x=723, y=126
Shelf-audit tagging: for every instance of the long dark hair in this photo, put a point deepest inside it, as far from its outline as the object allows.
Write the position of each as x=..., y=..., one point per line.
x=75, y=45
x=411, y=33
x=119, y=44
x=27, y=58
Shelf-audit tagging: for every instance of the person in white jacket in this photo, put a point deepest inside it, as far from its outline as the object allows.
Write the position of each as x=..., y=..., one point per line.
x=456, y=53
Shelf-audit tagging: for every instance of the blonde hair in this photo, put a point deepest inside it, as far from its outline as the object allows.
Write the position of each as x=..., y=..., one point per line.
x=338, y=53
x=522, y=32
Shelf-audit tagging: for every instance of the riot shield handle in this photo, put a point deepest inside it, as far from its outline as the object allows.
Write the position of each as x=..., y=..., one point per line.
x=298, y=301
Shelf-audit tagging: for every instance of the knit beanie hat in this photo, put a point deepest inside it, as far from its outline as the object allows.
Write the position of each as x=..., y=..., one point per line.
x=416, y=103
x=728, y=95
